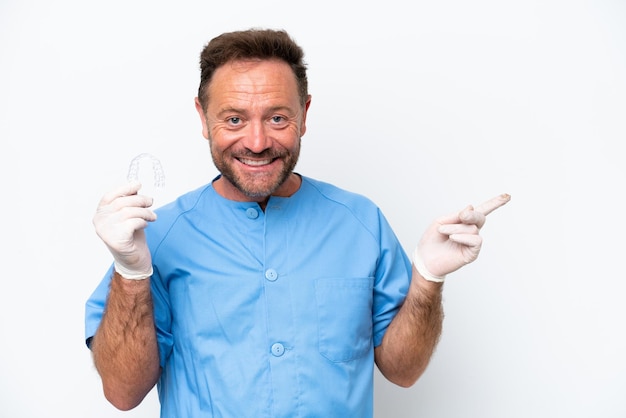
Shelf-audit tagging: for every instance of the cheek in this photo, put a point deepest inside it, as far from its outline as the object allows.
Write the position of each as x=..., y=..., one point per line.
x=292, y=141
x=221, y=138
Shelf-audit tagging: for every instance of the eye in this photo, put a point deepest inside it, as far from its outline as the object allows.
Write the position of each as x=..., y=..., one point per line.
x=234, y=120
x=278, y=119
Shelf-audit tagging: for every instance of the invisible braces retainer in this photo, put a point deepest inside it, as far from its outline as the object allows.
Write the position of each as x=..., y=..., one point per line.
x=157, y=168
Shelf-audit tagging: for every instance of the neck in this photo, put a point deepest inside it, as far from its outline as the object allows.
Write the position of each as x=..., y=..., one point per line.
x=228, y=191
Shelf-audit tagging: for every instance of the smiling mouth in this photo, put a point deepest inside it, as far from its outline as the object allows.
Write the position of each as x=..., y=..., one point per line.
x=255, y=163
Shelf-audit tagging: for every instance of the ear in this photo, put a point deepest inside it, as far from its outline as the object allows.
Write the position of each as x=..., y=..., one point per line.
x=306, y=109
x=205, y=127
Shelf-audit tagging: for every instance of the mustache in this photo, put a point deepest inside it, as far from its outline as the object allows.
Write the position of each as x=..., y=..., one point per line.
x=266, y=154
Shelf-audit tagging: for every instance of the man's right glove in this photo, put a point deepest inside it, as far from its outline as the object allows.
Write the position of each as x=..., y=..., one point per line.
x=120, y=220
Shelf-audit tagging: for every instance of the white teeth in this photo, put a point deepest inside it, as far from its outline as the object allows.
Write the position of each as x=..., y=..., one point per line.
x=255, y=162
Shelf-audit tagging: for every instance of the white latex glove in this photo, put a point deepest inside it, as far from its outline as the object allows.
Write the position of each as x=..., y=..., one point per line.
x=453, y=241
x=120, y=220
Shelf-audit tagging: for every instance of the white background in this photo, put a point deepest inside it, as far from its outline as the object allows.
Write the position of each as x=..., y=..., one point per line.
x=423, y=106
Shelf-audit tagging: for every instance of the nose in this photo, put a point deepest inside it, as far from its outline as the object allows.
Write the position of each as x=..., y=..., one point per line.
x=257, y=139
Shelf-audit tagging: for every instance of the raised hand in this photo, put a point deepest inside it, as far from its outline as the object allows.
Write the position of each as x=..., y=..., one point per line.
x=120, y=220
x=453, y=241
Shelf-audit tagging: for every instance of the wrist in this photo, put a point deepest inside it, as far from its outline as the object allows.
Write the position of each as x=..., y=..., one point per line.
x=132, y=274
x=418, y=264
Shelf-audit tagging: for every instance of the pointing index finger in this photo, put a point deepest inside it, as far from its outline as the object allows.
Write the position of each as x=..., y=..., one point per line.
x=493, y=204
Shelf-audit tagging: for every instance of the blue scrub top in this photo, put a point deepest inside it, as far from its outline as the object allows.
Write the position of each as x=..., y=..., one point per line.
x=271, y=313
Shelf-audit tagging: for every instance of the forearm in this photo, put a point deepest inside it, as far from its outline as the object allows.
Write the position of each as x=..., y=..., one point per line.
x=125, y=349
x=412, y=336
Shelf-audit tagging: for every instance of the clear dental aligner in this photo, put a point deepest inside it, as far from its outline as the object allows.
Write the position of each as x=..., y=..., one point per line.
x=157, y=168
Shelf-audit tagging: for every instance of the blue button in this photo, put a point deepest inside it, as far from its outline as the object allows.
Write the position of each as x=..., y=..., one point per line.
x=278, y=349
x=271, y=275
x=252, y=213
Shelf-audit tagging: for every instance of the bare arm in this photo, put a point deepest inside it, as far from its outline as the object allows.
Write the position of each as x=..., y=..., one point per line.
x=413, y=334
x=124, y=348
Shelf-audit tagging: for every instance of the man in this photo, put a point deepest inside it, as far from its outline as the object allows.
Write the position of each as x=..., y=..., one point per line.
x=264, y=293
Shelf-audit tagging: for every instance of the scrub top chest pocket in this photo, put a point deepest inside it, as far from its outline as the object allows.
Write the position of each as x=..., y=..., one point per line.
x=344, y=312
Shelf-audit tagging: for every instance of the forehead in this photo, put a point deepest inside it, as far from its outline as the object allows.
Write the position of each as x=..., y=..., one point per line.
x=253, y=77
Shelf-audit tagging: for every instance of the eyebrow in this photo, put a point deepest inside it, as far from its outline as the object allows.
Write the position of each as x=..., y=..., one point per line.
x=229, y=109
x=274, y=109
